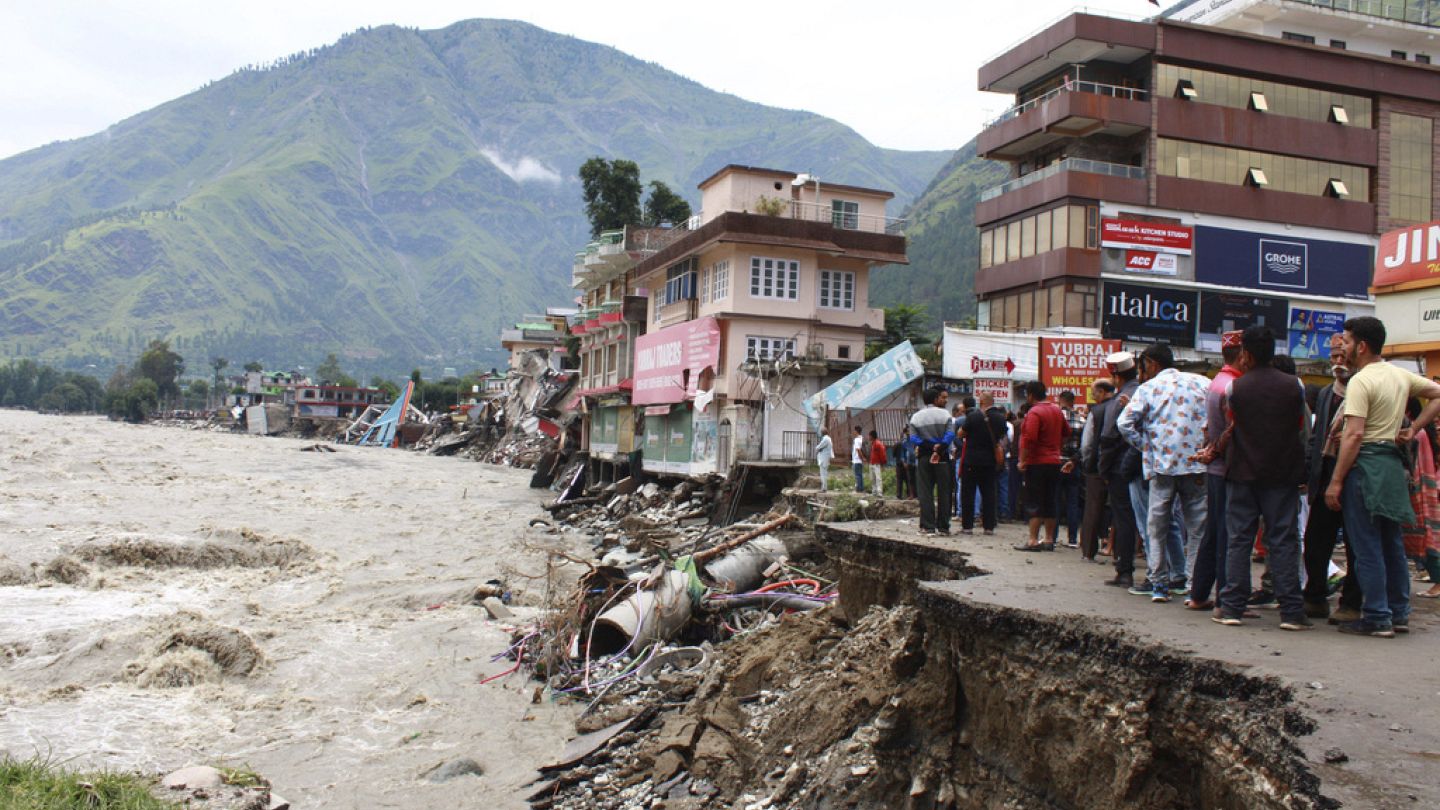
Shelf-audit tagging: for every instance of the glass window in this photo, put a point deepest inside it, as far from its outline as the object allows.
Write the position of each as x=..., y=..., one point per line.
x=1000, y=239
x=1056, y=315
x=1220, y=164
x=845, y=214
x=1042, y=232
x=1077, y=225
x=1059, y=228
x=1012, y=242
x=1411, y=163
x=1283, y=99
x=720, y=280
x=837, y=289
x=1027, y=237
x=1027, y=311
x=774, y=278
x=987, y=248
x=1092, y=226
x=769, y=348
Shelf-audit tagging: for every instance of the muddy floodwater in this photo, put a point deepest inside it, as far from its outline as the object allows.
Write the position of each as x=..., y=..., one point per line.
x=170, y=597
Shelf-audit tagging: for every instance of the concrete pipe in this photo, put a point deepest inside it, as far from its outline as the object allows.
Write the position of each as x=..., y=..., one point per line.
x=744, y=568
x=644, y=618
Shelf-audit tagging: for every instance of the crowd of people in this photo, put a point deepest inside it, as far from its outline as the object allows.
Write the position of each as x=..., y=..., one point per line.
x=1201, y=477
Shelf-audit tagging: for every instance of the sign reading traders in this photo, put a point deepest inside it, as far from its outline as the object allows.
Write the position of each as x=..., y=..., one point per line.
x=1074, y=364
x=668, y=362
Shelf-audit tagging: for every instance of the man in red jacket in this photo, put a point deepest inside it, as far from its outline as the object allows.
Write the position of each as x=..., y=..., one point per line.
x=878, y=460
x=1041, y=436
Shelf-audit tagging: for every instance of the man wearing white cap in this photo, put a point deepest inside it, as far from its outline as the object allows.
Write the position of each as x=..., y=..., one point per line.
x=1113, y=450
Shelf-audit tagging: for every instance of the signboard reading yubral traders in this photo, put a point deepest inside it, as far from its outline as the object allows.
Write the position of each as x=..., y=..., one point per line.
x=668, y=362
x=1074, y=364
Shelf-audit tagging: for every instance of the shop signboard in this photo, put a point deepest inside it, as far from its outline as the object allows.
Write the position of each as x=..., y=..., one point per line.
x=1148, y=314
x=1074, y=364
x=1409, y=255
x=668, y=362
x=1159, y=237
x=1310, y=332
x=971, y=353
x=866, y=386
x=1228, y=312
x=1151, y=263
x=1284, y=263
x=1001, y=389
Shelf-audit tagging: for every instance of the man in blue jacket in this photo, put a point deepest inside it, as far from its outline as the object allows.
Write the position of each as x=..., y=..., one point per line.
x=932, y=432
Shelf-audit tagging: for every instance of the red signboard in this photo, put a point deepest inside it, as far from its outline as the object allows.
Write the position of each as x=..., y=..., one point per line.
x=1161, y=237
x=668, y=362
x=1409, y=254
x=1074, y=364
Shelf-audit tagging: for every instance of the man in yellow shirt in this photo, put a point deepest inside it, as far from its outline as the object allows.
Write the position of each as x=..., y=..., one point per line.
x=1370, y=479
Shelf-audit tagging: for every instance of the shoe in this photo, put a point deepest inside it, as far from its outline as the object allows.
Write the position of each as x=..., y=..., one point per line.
x=1263, y=600
x=1317, y=610
x=1160, y=596
x=1433, y=593
x=945, y=532
x=1072, y=544
x=1120, y=581
x=989, y=532
x=1364, y=628
x=967, y=531
x=1191, y=604
x=1142, y=588
x=1179, y=589
x=1296, y=623
x=1031, y=547
x=1400, y=625
x=1344, y=615
x=1228, y=621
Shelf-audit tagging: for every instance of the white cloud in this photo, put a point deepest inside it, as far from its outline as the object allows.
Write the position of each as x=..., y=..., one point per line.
x=523, y=170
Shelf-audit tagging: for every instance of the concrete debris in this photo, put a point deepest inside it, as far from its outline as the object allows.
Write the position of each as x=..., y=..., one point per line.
x=203, y=787
x=496, y=608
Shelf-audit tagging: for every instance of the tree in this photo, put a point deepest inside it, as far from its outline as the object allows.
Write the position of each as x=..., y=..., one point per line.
x=162, y=366
x=665, y=206
x=254, y=365
x=612, y=193
x=329, y=372
x=902, y=322
x=389, y=391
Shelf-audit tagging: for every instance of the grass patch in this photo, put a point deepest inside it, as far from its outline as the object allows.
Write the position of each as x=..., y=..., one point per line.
x=37, y=784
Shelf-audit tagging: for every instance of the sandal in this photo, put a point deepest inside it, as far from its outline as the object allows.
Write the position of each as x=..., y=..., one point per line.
x=1191, y=604
x=1433, y=593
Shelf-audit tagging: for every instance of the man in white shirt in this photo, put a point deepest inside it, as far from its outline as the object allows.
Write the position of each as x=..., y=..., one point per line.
x=824, y=453
x=857, y=459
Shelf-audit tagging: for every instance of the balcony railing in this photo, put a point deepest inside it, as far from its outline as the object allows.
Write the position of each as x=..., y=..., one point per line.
x=1415, y=12
x=1066, y=165
x=849, y=220
x=1071, y=86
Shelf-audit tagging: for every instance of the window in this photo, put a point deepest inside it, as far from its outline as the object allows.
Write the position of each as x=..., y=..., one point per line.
x=1422, y=58
x=845, y=214
x=1294, y=37
x=837, y=289
x=720, y=280
x=774, y=278
x=679, y=282
x=1209, y=87
x=1222, y=164
x=769, y=348
x=1411, y=151
x=844, y=351
x=1401, y=55
x=1337, y=44
x=987, y=248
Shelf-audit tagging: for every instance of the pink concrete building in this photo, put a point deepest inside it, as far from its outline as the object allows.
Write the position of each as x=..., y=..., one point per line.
x=780, y=263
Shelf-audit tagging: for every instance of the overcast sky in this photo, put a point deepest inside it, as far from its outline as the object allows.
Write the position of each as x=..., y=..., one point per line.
x=902, y=76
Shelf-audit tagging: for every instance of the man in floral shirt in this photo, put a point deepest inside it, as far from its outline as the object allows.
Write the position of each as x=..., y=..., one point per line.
x=1166, y=421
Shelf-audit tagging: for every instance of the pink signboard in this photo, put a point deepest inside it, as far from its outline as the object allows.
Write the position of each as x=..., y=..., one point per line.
x=668, y=362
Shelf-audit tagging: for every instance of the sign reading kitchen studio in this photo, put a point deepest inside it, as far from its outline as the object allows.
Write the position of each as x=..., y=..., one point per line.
x=1143, y=313
x=1158, y=237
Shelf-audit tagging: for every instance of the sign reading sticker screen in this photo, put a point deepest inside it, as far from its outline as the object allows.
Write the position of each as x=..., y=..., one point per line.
x=1148, y=314
x=1261, y=261
x=1224, y=312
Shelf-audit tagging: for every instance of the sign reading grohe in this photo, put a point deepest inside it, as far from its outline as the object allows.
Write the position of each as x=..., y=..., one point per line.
x=1074, y=364
x=668, y=362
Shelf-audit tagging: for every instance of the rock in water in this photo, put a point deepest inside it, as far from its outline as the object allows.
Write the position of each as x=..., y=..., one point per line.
x=456, y=768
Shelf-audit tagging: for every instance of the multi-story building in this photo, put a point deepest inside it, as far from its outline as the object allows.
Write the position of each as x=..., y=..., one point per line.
x=544, y=334
x=1224, y=164
x=762, y=303
x=610, y=320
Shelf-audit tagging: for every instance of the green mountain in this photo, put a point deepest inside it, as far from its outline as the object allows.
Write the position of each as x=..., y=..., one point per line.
x=944, y=247
x=396, y=198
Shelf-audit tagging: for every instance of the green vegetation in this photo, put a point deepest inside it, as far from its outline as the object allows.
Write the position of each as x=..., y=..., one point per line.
x=399, y=194
x=330, y=373
x=944, y=245
x=27, y=384
x=905, y=322
x=36, y=784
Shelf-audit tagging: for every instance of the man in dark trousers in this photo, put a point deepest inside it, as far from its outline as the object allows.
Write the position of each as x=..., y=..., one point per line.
x=982, y=431
x=1323, y=528
x=1071, y=502
x=932, y=433
x=1042, y=436
x=1117, y=473
x=1264, y=468
x=1096, y=521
